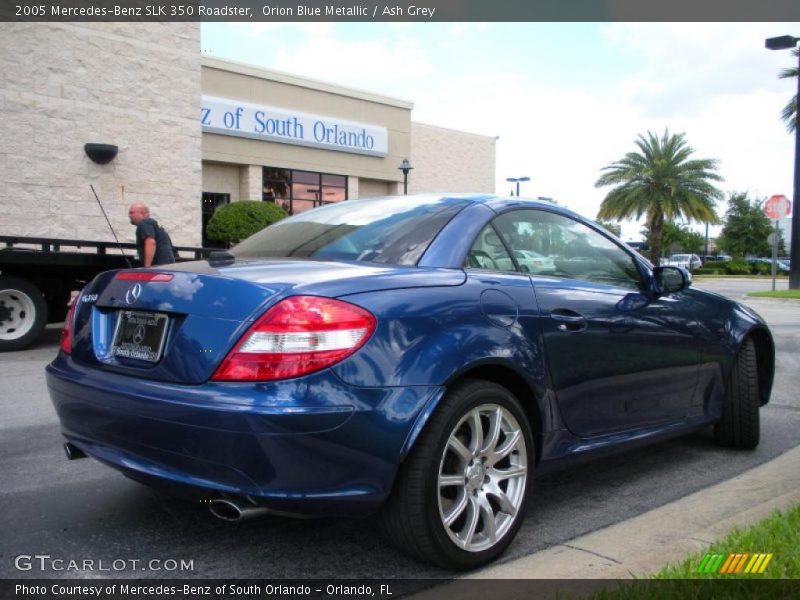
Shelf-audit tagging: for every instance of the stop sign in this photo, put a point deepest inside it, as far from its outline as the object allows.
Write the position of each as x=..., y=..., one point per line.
x=777, y=207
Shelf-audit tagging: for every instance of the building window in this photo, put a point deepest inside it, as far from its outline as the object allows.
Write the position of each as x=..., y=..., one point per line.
x=210, y=203
x=298, y=191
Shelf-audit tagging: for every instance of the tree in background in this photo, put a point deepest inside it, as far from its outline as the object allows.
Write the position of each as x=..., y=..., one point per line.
x=789, y=112
x=614, y=228
x=746, y=227
x=678, y=238
x=663, y=183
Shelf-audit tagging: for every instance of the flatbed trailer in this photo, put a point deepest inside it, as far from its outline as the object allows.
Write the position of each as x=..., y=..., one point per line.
x=38, y=276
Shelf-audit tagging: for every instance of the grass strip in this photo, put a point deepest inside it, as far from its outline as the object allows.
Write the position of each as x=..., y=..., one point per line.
x=794, y=294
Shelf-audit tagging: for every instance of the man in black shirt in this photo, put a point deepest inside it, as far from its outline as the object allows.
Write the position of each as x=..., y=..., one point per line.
x=152, y=242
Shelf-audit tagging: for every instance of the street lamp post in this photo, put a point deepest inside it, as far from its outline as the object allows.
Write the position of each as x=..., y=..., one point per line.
x=786, y=42
x=517, y=180
x=405, y=168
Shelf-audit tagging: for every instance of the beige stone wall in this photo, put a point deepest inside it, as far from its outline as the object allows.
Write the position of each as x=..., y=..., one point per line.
x=222, y=179
x=251, y=183
x=133, y=85
x=369, y=188
x=446, y=160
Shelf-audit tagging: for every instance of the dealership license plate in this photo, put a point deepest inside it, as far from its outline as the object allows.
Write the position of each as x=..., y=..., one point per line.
x=140, y=335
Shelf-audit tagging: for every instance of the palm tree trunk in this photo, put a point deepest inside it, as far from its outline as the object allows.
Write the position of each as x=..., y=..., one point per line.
x=656, y=236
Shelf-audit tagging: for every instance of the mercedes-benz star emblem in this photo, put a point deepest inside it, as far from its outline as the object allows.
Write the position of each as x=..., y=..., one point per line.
x=138, y=335
x=132, y=295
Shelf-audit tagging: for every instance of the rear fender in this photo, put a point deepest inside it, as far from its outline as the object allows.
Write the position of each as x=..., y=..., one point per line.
x=437, y=336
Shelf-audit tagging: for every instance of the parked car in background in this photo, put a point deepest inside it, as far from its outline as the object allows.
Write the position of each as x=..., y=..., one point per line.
x=716, y=258
x=687, y=261
x=394, y=355
x=534, y=262
x=781, y=266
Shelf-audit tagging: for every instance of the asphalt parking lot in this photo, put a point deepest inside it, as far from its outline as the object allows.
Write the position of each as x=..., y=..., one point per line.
x=82, y=510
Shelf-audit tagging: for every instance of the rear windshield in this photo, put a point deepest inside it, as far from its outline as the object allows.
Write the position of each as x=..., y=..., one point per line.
x=387, y=230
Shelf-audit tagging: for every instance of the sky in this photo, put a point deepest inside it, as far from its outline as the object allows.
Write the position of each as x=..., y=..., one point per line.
x=564, y=99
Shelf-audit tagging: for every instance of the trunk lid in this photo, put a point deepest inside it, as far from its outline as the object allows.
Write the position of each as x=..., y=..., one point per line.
x=190, y=323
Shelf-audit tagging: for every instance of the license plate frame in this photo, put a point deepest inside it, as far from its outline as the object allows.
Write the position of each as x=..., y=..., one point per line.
x=140, y=335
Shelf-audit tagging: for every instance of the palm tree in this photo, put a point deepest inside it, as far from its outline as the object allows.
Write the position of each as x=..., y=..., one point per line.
x=661, y=182
x=789, y=112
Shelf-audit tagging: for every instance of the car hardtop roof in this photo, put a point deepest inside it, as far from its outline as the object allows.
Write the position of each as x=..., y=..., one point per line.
x=497, y=203
x=503, y=203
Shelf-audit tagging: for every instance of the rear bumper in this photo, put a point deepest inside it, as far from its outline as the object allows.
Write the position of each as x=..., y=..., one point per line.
x=311, y=445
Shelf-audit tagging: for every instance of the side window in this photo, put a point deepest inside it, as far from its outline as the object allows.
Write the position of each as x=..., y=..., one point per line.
x=489, y=253
x=546, y=243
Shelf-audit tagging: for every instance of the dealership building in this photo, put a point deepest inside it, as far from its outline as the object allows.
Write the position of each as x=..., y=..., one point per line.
x=193, y=132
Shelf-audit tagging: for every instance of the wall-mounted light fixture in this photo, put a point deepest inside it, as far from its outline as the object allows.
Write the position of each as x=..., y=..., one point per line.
x=101, y=153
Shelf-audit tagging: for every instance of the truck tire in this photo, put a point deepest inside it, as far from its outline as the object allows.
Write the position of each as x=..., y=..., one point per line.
x=23, y=313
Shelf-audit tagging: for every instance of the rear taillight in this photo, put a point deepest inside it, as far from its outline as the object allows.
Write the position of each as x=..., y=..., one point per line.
x=66, y=333
x=299, y=335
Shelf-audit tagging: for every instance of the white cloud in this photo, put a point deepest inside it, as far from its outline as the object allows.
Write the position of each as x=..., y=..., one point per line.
x=685, y=65
x=374, y=62
x=258, y=30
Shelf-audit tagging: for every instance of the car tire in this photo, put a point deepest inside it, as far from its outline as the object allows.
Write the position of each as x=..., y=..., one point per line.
x=739, y=426
x=23, y=313
x=460, y=498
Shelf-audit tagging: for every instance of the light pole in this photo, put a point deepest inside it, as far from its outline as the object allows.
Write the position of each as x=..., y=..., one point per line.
x=786, y=42
x=517, y=180
x=405, y=168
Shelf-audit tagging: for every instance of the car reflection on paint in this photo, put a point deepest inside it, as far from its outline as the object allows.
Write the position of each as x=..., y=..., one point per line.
x=418, y=357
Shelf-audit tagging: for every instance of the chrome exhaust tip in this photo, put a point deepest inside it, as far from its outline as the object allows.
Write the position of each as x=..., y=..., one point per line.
x=234, y=510
x=73, y=452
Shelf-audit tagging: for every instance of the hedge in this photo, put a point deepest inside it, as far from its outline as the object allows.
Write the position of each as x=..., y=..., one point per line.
x=231, y=223
x=736, y=268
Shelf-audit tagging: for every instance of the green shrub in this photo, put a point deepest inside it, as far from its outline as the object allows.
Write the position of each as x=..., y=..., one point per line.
x=761, y=269
x=709, y=271
x=231, y=223
x=737, y=268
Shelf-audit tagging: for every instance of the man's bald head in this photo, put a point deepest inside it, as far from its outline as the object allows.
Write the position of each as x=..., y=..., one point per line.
x=137, y=212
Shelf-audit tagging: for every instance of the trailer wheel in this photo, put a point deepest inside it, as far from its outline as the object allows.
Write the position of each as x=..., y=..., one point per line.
x=23, y=313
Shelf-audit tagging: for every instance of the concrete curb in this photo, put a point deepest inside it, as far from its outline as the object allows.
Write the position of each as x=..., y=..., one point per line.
x=644, y=544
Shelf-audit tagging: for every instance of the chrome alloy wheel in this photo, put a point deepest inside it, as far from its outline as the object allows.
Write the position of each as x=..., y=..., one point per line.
x=482, y=477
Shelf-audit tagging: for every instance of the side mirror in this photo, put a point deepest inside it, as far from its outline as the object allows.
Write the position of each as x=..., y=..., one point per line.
x=668, y=280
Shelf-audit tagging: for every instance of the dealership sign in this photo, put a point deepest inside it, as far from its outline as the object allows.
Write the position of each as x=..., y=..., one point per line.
x=243, y=119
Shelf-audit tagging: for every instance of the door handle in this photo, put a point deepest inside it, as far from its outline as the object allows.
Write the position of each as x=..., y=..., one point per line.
x=569, y=320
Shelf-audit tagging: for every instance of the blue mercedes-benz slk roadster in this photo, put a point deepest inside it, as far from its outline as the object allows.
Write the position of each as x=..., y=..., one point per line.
x=420, y=357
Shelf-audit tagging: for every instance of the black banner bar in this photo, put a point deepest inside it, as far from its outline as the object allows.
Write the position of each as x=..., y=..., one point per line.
x=393, y=589
x=422, y=11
